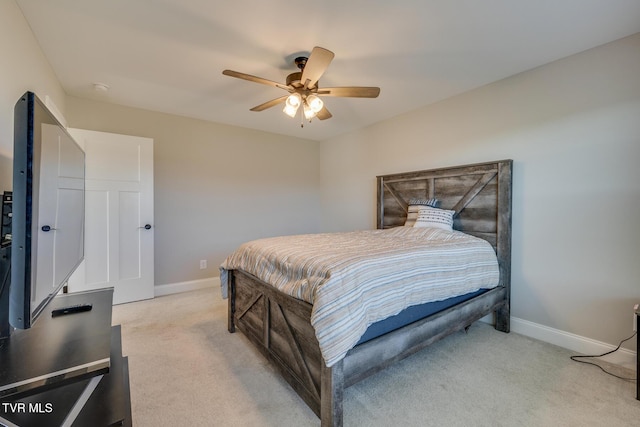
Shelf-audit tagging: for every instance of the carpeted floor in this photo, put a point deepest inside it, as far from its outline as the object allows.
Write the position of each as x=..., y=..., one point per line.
x=187, y=370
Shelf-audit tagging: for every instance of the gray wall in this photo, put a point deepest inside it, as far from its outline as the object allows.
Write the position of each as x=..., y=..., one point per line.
x=23, y=67
x=215, y=186
x=572, y=128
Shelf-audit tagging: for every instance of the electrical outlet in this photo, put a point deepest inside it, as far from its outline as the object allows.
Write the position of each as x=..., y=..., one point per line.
x=203, y=264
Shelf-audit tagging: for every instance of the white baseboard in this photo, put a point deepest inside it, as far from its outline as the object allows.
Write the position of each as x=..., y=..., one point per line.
x=192, y=285
x=579, y=344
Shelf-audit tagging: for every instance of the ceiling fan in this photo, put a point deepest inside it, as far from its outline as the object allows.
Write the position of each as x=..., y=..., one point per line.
x=303, y=87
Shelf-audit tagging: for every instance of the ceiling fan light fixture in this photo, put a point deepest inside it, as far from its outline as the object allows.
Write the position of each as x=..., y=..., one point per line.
x=315, y=103
x=292, y=104
x=290, y=110
x=308, y=111
x=294, y=100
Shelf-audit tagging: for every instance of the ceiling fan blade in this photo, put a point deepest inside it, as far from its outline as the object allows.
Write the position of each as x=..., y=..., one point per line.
x=324, y=114
x=255, y=79
x=270, y=104
x=316, y=65
x=350, y=92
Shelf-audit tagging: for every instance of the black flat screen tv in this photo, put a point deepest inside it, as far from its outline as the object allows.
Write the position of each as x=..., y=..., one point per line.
x=47, y=242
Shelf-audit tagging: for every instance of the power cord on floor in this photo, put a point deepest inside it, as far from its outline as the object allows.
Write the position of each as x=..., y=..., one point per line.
x=575, y=359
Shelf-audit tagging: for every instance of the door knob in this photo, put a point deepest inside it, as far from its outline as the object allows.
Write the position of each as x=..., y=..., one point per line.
x=146, y=227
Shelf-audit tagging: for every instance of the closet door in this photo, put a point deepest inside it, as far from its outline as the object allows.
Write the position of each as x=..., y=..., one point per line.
x=119, y=215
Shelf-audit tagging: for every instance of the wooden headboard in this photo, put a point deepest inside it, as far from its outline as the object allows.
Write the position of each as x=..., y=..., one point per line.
x=479, y=193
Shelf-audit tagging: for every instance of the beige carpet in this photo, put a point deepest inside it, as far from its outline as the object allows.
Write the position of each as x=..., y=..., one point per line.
x=187, y=370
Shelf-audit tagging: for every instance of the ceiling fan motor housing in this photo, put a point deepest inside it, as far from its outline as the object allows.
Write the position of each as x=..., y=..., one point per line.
x=293, y=79
x=301, y=61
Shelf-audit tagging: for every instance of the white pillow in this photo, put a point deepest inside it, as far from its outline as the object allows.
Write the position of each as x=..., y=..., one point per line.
x=414, y=207
x=412, y=215
x=434, y=217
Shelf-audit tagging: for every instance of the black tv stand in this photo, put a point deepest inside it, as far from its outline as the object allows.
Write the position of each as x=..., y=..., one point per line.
x=66, y=370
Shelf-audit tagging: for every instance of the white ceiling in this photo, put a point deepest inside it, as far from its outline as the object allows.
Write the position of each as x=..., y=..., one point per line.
x=168, y=55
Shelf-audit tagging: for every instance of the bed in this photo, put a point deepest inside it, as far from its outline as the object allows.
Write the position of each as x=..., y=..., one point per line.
x=280, y=325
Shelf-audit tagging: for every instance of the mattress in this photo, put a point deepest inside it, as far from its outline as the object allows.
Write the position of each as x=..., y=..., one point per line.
x=356, y=279
x=413, y=314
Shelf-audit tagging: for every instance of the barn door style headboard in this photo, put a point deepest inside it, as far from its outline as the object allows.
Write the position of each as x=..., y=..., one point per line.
x=480, y=194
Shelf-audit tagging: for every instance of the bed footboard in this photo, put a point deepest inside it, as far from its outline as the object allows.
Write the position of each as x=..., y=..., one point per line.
x=280, y=327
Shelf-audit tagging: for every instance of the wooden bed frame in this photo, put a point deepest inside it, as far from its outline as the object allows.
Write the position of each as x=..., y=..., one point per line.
x=279, y=325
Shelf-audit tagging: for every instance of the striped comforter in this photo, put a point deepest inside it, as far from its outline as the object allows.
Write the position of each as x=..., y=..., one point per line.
x=357, y=278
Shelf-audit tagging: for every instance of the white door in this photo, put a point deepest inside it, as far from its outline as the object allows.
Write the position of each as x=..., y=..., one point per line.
x=60, y=197
x=119, y=215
